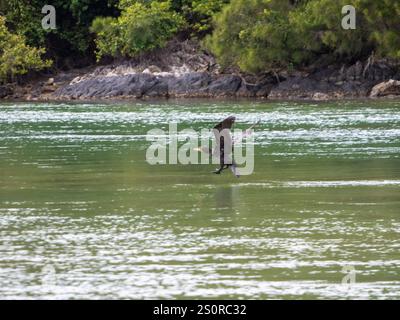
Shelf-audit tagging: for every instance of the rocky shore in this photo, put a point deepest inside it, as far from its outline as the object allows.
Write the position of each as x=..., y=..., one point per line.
x=183, y=70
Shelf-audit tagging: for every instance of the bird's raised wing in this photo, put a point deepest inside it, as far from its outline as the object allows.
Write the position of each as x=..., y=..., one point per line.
x=246, y=133
x=225, y=124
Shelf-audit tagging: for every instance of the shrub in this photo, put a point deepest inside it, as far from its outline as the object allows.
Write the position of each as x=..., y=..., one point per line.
x=383, y=18
x=199, y=14
x=261, y=34
x=254, y=35
x=71, y=38
x=16, y=57
x=140, y=28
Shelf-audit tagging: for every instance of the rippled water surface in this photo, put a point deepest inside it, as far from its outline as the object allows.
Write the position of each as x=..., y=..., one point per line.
x=83, y=215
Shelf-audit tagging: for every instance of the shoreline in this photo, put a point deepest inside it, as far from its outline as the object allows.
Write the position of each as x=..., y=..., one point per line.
x=67, y=92
x=190, y=73
x=198, y=86
x=202, y=100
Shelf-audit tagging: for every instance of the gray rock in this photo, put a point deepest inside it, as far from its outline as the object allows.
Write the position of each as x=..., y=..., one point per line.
x=252, y=86
x=190, y=84
x=5, y=91
x=136, y=85
x=299, y=87
x=319, y=96
x=387, y=88
x=226, y=85
x=319, y=84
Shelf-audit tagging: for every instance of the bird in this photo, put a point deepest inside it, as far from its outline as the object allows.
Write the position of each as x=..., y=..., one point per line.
x=224, y=141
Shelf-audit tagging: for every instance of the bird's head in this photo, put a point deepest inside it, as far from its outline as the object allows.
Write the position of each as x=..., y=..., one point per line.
x=231, y=119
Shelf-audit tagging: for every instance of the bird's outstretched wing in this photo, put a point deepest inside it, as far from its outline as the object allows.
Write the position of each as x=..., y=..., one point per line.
x=246, y=133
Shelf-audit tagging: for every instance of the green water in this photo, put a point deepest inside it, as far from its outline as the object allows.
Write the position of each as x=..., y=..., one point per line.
x=83, y=215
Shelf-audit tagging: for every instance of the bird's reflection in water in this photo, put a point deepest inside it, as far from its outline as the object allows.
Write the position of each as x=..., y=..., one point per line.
x=226, y=197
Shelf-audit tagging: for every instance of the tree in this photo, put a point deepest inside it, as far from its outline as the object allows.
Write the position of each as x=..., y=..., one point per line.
x=71, y=38
x=16, y=57
x=197, y=13
x=383, y=17
x=140, y=28
x=257, y=35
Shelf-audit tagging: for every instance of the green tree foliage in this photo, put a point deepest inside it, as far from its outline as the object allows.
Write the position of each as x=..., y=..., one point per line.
x=148, y=24
x=122, y=27
x=197, y=13
x=318, y=25
x=140, y=28
x=254, y=34
x=260, y=34
x=73, y=19
x=16, y=57
x=383, y=19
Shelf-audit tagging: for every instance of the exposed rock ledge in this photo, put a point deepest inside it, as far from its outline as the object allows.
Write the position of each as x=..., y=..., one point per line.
x=183, y=70
x=179, y=70
x=329, y=83
x=386, y=89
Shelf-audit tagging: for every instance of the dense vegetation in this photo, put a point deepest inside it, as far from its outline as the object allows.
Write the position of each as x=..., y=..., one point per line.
x=259, y=34
x=146, y=25
x=16, y=57
x=71, y=39
x=254, y=35
x=139, y=28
